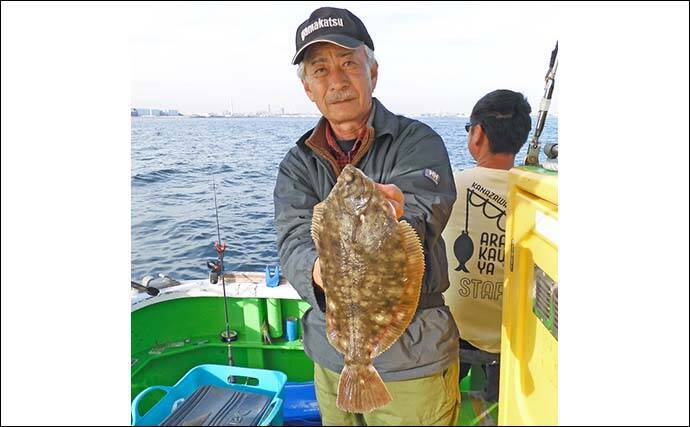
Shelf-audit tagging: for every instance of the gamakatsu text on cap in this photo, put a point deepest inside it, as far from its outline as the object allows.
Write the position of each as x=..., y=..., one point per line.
x=320, y=23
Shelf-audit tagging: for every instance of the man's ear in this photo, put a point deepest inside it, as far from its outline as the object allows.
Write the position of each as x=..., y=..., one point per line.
x=374, y=72
x=475, y=139
x=307, y=90
x=478, y=135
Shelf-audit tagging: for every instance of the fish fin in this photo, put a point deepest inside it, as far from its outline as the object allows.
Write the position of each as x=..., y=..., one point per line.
x=316, y=218
x=361, y=389
x=465, y=269
x=332, y=332
x=409, y=300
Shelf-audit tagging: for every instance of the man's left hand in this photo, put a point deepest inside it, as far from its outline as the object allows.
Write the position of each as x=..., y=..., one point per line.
x=394, y=196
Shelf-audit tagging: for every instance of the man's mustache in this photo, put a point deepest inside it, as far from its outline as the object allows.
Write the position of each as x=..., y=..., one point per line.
x=340, y=96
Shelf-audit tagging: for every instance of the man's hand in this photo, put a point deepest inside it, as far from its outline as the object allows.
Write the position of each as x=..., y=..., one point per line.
x=316, y=273
x=395, y=198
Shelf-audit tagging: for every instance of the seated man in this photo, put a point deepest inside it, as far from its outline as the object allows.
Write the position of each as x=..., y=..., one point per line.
x=475, y=234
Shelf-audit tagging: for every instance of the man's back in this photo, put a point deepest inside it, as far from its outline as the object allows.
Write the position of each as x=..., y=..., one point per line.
x=475, y=241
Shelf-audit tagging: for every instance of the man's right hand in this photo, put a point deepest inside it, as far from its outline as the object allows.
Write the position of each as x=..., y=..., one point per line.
x=316, y=273
x=395, y=197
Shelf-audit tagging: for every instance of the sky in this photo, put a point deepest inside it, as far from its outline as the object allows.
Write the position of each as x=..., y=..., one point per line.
x=433, y=57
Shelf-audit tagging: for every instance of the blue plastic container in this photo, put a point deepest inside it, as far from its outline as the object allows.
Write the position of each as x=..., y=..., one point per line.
x=269, y=382
x=300, y=407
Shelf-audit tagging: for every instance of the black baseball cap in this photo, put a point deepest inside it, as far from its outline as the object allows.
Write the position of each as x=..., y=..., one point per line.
x=332, y=25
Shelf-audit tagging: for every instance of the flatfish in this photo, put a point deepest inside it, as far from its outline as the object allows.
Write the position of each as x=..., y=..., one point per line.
x=372, y=267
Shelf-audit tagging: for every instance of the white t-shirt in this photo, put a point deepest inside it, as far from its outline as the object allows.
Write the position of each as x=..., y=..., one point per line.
x=475, y=247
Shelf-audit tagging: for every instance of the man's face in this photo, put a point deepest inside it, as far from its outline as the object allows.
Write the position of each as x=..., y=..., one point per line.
x=339, y=81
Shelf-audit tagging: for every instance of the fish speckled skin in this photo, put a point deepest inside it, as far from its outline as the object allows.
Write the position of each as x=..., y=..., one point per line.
x=372, y=268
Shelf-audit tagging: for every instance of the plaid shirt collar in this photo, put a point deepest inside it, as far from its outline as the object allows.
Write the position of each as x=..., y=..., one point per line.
x=342, y=157
x=323, y=142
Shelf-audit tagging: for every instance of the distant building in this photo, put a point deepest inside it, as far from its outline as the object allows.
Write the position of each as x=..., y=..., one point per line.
x=148, y=112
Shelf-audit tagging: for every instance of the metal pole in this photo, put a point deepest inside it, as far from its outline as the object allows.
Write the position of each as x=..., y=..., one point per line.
x=532, y=158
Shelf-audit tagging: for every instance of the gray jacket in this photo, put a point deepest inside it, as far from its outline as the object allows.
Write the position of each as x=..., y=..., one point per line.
x=399, y=151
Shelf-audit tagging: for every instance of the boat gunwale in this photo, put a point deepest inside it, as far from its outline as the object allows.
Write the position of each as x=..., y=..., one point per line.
x=237, y=285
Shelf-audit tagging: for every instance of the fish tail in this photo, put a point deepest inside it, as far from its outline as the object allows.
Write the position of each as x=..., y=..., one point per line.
x=361, y=389
x=462, y=267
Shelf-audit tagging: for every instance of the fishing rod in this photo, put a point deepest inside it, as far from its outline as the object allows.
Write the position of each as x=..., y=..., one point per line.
x=217, y=269
x=532, y=158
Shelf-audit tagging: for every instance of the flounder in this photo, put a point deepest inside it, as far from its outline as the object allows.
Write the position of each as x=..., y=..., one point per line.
x=372, y=268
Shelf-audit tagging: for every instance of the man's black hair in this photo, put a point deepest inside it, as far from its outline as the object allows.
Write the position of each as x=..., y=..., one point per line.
x=504, y=116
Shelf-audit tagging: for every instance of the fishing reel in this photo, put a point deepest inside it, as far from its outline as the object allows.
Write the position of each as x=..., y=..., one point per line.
x=217, y=266
x=551, y=150
x=215, y=271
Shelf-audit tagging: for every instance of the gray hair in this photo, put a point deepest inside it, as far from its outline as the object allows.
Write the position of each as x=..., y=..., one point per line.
x=371, y=60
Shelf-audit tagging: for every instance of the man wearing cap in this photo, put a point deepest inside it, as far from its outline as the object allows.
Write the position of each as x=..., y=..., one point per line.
x=337, y=67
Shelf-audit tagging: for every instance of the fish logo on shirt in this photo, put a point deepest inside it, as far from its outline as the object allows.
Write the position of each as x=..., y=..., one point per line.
x=463, y=248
